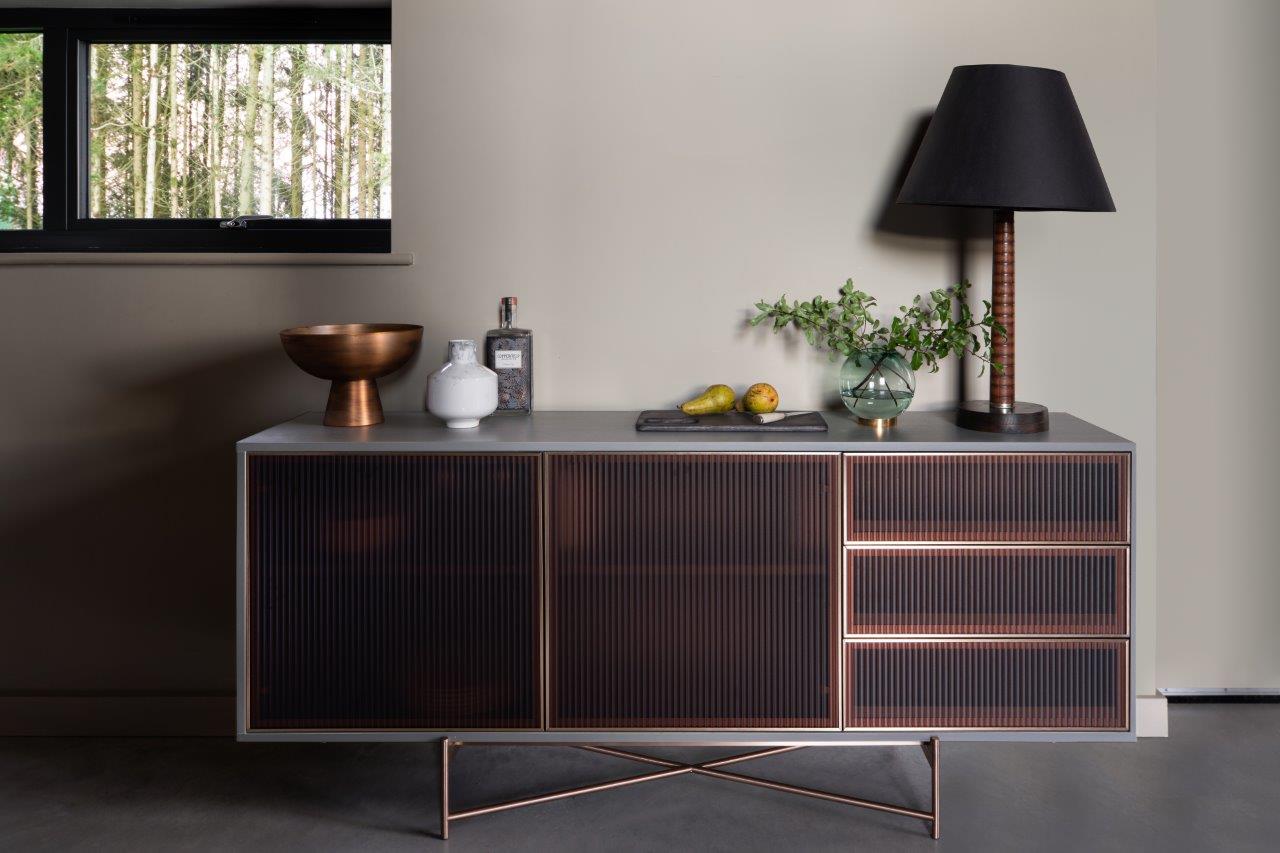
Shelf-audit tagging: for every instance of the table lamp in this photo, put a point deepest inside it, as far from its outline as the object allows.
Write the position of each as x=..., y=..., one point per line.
x=1006, y=137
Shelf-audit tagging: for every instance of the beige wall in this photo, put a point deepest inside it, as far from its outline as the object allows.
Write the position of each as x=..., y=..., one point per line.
x=638, y=174
x=1219, y=257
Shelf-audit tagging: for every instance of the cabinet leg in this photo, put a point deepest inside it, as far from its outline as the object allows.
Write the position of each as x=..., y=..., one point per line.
x=445, y=748
x=934, y=827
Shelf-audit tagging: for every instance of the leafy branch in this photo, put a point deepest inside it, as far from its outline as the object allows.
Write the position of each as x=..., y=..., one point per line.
x=928, y=330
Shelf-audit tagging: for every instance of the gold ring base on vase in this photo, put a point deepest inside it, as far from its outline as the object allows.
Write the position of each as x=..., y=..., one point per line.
x=877, y=423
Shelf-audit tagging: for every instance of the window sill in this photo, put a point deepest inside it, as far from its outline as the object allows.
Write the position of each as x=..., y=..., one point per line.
x=207, y=259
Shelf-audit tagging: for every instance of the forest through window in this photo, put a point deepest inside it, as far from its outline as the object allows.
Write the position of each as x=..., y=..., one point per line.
x=21, y=134
x=189, y=131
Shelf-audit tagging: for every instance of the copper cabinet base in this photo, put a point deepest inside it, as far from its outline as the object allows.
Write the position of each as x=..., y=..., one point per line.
x=931, y=818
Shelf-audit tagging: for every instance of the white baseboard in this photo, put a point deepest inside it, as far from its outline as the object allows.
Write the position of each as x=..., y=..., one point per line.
x=1152, y=716
x=118, y=716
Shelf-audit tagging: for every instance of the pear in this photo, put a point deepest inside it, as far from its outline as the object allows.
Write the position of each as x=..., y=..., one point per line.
x=760, y=399
x=713, y=401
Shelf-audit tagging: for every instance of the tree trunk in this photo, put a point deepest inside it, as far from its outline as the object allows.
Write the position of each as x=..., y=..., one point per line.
x=344, y=135
x=384, y=139
x=215, y=105
x=171, y=129
x=136, y=90
x=266, y=195
x=28, y=156
x=97, y=140
x=248, y=147
x=296, y=127
x=324, y=173
x=153, y=101
x=362, y=139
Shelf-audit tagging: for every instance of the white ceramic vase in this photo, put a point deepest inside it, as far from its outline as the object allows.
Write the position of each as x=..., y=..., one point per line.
x=463, y=391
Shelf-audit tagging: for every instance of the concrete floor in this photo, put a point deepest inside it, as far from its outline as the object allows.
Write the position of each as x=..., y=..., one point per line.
x=1213, y=785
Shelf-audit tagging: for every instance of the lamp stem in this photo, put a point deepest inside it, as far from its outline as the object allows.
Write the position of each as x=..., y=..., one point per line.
x=1002, y=282
x=1002, y=413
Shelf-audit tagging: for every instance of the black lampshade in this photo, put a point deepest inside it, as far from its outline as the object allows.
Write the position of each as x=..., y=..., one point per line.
x=1007, y=136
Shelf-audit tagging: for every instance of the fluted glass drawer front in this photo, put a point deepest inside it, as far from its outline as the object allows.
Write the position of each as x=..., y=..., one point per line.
x=390, y=591
x=693, y=590
x=987, y=497
x=987, y=590
x=987, y=684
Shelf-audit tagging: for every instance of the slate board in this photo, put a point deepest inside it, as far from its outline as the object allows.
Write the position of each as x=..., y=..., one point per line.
x=673, y=420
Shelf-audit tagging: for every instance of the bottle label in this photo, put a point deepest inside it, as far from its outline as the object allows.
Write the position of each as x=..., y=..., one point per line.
x=508, y=358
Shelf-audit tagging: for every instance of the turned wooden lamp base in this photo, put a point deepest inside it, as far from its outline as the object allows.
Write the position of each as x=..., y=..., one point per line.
x=1002, y=413
x=1021, y=418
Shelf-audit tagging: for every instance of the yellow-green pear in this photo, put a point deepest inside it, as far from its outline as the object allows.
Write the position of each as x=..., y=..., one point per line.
x=713, y=401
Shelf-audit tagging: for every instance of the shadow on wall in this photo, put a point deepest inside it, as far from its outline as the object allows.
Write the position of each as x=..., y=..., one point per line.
x=911, y=228
x=142, y=543
x=117, y=533
x=923, y=227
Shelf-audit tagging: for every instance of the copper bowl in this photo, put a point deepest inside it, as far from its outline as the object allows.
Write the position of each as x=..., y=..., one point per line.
x=352, y=356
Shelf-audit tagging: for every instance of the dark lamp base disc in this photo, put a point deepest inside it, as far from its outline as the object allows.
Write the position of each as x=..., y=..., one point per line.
x=1021, y=418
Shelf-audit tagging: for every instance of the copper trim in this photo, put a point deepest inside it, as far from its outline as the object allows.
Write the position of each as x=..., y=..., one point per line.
x=437, y=730
x=979, y=546
x=446, y=752
x=977, y=590
x=1032, y=497
x=660, y=742
x=1062, y=698
x=641, y=609
x=544, y=600
x=711, y=769
x=368, y=552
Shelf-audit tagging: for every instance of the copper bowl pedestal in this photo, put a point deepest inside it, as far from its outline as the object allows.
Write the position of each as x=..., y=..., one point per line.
x=352, y=356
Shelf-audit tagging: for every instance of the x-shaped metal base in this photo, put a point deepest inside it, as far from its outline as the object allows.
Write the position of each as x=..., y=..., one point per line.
x=675, y=768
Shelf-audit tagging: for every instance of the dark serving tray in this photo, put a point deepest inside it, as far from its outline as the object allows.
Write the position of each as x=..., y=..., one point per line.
x=673, y=420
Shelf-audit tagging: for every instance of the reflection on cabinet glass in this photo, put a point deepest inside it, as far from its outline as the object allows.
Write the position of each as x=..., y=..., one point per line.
x=1049, y=684
x=986, y=590
x=986, y=497
x=393, y=591
x=692, y=590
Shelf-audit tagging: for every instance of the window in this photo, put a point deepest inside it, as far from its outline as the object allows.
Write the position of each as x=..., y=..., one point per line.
x=217, y=130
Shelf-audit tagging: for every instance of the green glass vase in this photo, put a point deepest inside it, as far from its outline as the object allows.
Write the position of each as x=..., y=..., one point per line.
x=877, y=386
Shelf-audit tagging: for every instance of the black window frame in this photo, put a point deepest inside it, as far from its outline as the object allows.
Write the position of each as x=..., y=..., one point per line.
x=67, y=36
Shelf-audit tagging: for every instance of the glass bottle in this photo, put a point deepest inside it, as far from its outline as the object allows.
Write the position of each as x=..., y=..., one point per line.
x=508, y=352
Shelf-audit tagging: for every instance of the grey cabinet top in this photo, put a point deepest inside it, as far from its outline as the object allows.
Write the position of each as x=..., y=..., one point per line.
x=417, y=432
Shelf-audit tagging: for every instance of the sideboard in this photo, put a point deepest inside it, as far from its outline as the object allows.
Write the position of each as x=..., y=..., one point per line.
x=563, y=579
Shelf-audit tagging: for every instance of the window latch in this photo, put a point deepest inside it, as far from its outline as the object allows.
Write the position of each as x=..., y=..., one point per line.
x=243, y=221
